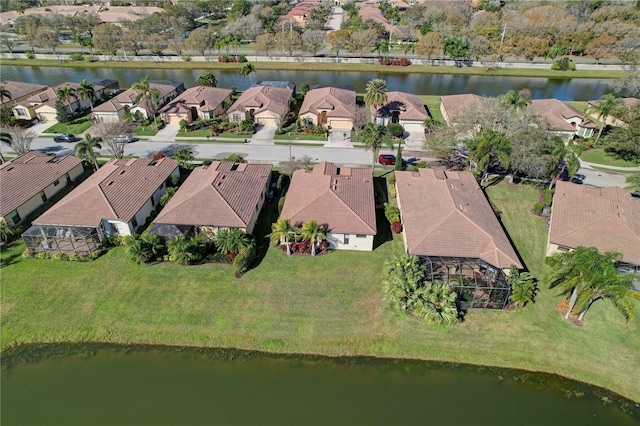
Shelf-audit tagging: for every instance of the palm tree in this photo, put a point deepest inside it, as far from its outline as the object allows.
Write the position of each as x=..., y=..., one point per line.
x=5, y=138
x=522, y=285
x=86, y=149
x=375, y=137
x=135, y=248
x=578, y=270
x=635, y=183
x=207, y=79
x=4, y=93
x=247, y=70
x=489, y=148
x=180, y=250
x=436, y=303
x=376, y=93
x=607, y=104
x=231, y=241
x=281, y=233
x=406, y=275
x=184, y=156
x=6, y=230
x=569, y=160
x=87, y=91
x=65, y=93
x=313, y=233
x=515, y=99
x=154, y=245
x=609, y=286
x=147, y=93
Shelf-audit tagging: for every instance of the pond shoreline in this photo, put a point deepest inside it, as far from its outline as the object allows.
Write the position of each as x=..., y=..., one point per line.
x=35, y=352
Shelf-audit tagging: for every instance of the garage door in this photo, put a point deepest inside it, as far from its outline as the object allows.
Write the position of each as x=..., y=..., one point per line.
x=340, y=124
x=267, y=122
x=174, y=119
x=412, y=126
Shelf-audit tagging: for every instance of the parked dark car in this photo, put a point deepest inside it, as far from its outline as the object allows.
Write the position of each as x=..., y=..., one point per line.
x=66, y=137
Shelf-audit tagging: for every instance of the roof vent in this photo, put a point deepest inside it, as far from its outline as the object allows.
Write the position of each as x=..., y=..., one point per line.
x=461, y=207
x=234, y=167
x=122, y=172
x=110, y=183
x=338, y=171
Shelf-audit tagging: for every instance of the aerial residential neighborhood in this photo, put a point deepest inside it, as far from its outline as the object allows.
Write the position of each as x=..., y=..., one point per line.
x=352, y=196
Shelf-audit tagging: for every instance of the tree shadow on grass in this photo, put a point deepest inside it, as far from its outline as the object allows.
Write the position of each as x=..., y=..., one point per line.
x=383, y=226
x=8, y=258
x=268, y=216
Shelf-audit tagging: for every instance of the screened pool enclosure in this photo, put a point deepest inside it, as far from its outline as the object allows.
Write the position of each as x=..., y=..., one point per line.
x=477, y=284
x=61, y=239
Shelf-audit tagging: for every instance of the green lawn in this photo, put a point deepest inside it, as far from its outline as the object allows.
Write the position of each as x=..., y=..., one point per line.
x=74, y=127
x=301, y=137
x=200, y=133
x=145, y=131
x=326, y=305
x=579, y=105
x=599, y=156
x=433, y=105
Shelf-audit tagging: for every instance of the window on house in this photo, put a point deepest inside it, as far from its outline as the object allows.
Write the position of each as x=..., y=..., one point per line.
x=134, y=222
x=236, y=118
x=15, y=217
x=20, y=112
x=309, y=120
x=346, y=239
x=153, y=202
x=57, y=182
x=67, y=177
x=43, y=196
x=361, y=236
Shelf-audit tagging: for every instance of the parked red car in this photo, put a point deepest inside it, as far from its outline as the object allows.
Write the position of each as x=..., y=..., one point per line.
x=387, y=159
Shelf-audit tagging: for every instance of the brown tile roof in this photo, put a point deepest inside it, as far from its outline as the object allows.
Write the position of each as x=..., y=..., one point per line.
x=369, y=10
x=409, y=105
x=341, y=102
x=118, y=190
x=109, y=106
x=264, y=98
x=217, y=195
x=19, y=89
x=447, y=214
x=456, y=104
x=129, y=96
x=605, y=218
x=203, y=98
x=626, y=102
x=25, y=176
x=557, y=112
x=341, y=197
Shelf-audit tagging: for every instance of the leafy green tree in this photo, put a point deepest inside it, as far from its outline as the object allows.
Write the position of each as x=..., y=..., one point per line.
x=313, y=233
x=569, y=160
x=4, y=93
x=634, y=182
x=607, y=104
x=231, y=240
x=624, y=142
x=207, y=79
x=86, y=90
x=375, y=137
x=515, y=99
x=148, y=94
x=436, y=303
x=523, y=287
x=612, y=287
x=304, y=88
x=456, y=47
x=247, y=70
x=487, y=148
x=404, y=276
x=282, y=233
x=376, y=93
x=86, y=149
x=6, y=230
x=62, y=112
x=184, y=156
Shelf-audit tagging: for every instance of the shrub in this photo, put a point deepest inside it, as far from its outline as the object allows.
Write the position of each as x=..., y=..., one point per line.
x=28, y=254
x=563, y=64
x=396, y=227
x=167, y=196
x=242, y=58
x=392, y=189
x=245, y=258
x=29, y=55
x=76, y=56
x=392, y=213
x=538, y=208
x=280, y=204
x=396, y=130
x=548, y=196
x=185, y=57
x=41, y=255
x=89, y=58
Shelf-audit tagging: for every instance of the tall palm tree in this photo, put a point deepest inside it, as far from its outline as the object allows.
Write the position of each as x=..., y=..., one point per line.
x=4, y=93
x=436, y=303
x=207, y=79
x=522, y=285
x=313, y=233
x=578, y=270
x=231, y=241
x=609, y=286
x=489, y=148
x=86, y=149
x=375, y=137
x=569, y=160
x=247, y=70
x=184, y=156
x=281, y=233
x=87, y=91
x=607, y=104
x=147, y=93
x=65, y=93
x=406, y=275
x=376, y=93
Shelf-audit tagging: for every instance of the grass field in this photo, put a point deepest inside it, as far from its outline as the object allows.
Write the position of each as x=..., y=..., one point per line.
x=433, y=104
x=325, y=305
x=74, y=127
x=600, y=156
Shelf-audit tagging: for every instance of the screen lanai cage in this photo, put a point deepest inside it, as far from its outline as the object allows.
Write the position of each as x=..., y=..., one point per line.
x=61, y=239
x=477, y=284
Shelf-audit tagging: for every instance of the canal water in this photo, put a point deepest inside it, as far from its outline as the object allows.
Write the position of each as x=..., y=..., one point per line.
x=160, y=387
x=422, y=84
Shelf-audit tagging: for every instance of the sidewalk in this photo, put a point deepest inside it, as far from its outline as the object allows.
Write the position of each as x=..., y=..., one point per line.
x=595, y=166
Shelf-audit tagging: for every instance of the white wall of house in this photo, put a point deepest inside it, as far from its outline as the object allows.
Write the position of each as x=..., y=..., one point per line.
x=350, y=241
x=258, y=208
x=108, y=117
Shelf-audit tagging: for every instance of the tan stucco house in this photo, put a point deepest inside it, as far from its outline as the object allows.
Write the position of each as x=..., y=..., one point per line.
x=332, y=107
x=266, y=102
x=199, y=102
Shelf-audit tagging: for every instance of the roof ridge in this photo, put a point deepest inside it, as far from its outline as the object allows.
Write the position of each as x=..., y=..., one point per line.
x=348, y=206
x=226, y=202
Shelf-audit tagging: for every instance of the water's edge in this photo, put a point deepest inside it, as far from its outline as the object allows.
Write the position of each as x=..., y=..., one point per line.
x=34, y=352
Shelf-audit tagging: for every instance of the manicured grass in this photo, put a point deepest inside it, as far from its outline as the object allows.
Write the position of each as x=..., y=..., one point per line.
x=303, y=137
x=200, y=133
x=579, y=105
x=600, y=156
x=433, y=105
x=146, y=131
x=297, y=142
x=332, y=66
x=235, y=135
x=75, y=127
x=326, y=305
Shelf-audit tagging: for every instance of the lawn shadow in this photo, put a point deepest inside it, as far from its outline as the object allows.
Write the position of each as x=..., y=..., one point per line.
x=268, y=216
x=8, y=259
x=383, y=226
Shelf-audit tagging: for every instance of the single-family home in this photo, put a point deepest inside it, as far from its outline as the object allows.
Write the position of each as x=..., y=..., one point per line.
x=30, y=180
x=404, y=108
x=613, y=119
x=200, y=102
x=451, y=106
x=450, y=225
x=562, y=118
x=605, y=218
x=114, y=110
x=115, y=200
x=267, y=103
x=20, y=92
x=221, y=195
x=300, y=12
x=369, y=10
x=341, y=198
x=332, y=107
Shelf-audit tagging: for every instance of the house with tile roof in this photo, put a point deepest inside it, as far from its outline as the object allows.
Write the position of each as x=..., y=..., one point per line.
x=115, y=200
x=114, y=110
x=563, y=118
x=613, y=119
x=19, y=93
x=450, y=225
x=267, y=103
x=404, y=108
x=341, y=198
x=220, y=195
x=451, y=106
x=332, y=107
x=605, y=218
x=300, y=12
x=199, y=102
x=31, y=179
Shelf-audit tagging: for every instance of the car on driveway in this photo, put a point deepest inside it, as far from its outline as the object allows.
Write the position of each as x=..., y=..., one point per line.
x=66, y=137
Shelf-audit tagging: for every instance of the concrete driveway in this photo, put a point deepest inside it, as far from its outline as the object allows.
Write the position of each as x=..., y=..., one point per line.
x=167, y=133
x=335, y=19
x=339, y=139
x=415, y=141
x=263, y=136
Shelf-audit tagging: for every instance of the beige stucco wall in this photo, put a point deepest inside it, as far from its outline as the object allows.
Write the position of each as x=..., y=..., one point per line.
x=340, y=123
x=268, y=119
x=338, y=242
x=29, y=113
x=108, y=117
